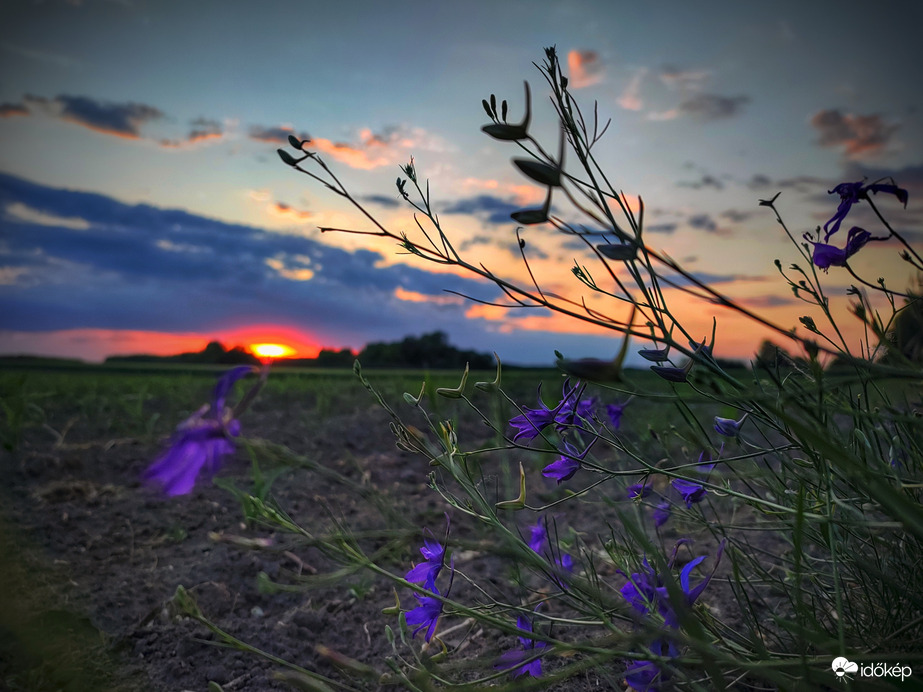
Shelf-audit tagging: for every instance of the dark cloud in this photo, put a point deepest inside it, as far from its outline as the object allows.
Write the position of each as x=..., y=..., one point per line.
x=705, y=181
x=677, y=78
x=703, y=222
x=276, y=135
x=486, y=207
x=202, y=129
x=736, y=215
x=119, y=119
x=803, y=183
x=770, y=301
x=860, y=136
x=8, y=110
x=660, y=228
x=713, y=106
x=142, y=267
x=759, y=181
x=709, y=278
x=383, y=201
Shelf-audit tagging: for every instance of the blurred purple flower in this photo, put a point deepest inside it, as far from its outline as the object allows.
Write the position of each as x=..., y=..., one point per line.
x=539, y=543
x=570, y=410
x=643, y=676
x=514, y=658
x=200, y=443
x=646, y=593
x=673, y=374
x=850, y=193
x=826, y=256
x=655, y=355
x=692, y=492
x=707, y=467
x=638, y=491
x=615, y=412
x=538, y=537
x=728, y=426
x=661, y=514
x=425, y=615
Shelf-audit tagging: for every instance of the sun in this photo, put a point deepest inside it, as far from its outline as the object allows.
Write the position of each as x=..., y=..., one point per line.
x=272, y=350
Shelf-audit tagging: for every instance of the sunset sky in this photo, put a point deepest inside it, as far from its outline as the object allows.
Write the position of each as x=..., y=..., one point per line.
x=143, y=207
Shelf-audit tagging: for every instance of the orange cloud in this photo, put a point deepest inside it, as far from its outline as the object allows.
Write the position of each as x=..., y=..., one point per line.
x=861, y=136
x=412, y=296
x=523, y=194
x=289, y=213
x=630, y=98
x=585, y=68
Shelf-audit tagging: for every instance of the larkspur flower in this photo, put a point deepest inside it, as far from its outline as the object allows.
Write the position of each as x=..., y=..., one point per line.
x=537, y=537
x=850, y=193
x=691, y=491
x=427, y=571
x=572, y=409
x=531, y=422
x=707, y=466
x=638, y=491
x=566, y=465
x=539, y=543
x=655, y=355
x=513, y=660
x=728, y=426
x=825, y=256
x=661, y=514
x=425, y=615
x=646, y=593
x=615, y=412
x=200, y=443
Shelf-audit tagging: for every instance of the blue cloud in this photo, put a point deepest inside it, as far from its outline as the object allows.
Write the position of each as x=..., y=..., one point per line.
x=142, y=267
x=486, y=207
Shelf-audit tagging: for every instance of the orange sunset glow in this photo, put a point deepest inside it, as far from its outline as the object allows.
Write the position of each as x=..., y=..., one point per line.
x=272, y=350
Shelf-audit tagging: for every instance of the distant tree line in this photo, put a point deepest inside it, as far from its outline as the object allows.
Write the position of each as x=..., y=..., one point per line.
x=431, y=351
x=214, y=353
x=428, y=351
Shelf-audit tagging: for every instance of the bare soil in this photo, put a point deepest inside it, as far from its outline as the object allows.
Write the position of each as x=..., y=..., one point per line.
x=91, y=558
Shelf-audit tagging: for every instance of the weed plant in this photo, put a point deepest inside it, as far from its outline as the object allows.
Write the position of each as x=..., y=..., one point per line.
x=699, y=527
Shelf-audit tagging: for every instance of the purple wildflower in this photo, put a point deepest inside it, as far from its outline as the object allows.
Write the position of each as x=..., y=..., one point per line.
x=655, y=355
x=826, y=256
x=671, y=373
x=850, y=193
x=532, y=421
x=728, y=426
x=538, y=542
x=646, y=593
x=691, y=491
x=425, y=615
x=566, y=465
x=200, y=443
x=661, y=514
x=513, y=660
x=615, y=412
x=427, y=571
x=638, y=491
x=571, y=410
x=538, y=537
x=707, y=467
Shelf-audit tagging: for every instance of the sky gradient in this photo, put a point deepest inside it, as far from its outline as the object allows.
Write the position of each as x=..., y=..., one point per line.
x=143, y=207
